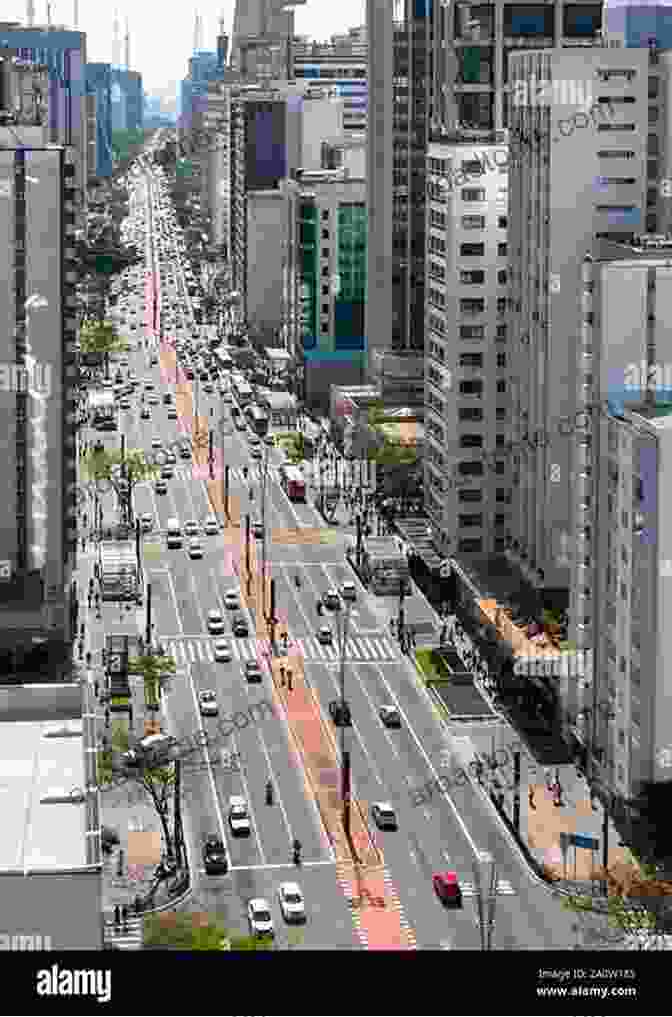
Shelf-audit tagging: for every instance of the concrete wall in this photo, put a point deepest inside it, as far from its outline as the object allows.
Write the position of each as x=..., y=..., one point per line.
x=266, y=239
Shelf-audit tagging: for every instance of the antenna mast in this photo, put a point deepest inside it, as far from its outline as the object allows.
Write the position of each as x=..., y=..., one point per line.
x=30, y=13
x=127, y=41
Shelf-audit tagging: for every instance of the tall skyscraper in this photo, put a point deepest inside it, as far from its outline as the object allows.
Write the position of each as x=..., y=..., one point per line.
x=262, y=37
x=399, y=79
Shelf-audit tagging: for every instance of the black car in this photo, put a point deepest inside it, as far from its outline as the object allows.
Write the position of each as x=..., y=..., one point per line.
x=340, y=713
x=214, y=855
x=240, y=626
x=252, y=671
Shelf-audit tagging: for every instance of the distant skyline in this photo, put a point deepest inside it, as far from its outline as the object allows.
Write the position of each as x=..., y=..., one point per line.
x=162, y=34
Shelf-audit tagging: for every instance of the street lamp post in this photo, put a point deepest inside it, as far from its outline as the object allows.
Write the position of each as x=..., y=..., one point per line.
x=342, y=628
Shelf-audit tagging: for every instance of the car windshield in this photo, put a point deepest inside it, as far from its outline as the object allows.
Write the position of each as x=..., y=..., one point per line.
x=292, y=897
x=239, y=812
x=262, y=915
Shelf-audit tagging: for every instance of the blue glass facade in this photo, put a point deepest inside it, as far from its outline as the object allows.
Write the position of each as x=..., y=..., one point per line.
x=99, y=83
x=641, y=22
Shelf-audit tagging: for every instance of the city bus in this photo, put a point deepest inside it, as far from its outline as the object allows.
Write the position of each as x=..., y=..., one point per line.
x=103, y=410
x=257, y=419
x=293, y=483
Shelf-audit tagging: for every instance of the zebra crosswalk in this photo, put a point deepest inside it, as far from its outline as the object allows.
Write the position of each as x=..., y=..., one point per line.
x=191, y=471
x=191, y=649
x=125, y=937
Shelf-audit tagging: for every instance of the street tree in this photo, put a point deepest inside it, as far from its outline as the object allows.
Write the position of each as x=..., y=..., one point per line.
x=157, y=782
x=179, y=930
x=123, y=473
x=101, y=337
x=155, y=671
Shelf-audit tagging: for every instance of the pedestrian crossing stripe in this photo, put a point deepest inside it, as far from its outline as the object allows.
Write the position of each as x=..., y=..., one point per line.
x=504, y=888
x=199, y=471
x=189, y=650
x=125, y=937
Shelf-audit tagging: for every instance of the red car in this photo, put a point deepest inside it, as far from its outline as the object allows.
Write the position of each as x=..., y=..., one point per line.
x=447, y=889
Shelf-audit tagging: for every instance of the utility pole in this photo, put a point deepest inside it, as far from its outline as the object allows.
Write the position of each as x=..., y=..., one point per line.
x=148, y=624
x=264, y=478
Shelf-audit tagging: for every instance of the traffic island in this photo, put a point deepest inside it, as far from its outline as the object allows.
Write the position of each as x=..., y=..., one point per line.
x=317, y=747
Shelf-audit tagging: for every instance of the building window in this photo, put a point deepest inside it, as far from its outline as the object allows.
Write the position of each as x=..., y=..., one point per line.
x=468, y=496
x=467, y=469
x=471, y=441
x=325, y=291
x=471, y=388
x=325, y=215
x=501, y=360
x=325, y=236
x=473, y=222
x=500, y=494
x=325, y=308
x=502, y=277
x=502, y=250
x=502, y=222
x=473, y=194
x=470, y=413
x=325, y=270
x=500, y=520
x=500, y=413
x=500, y=335
x=470, y=519
x=470, y=545
x=501, y=305
x=472, y=250
x=474, y=305
x=501, y=386
x=471, y=360
x=475, y=277
x=472, y=331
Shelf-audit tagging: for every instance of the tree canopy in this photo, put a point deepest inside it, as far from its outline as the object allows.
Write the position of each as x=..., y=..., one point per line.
x=101, y=337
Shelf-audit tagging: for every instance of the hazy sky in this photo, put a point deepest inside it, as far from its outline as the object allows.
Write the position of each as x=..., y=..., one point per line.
x=162, y=33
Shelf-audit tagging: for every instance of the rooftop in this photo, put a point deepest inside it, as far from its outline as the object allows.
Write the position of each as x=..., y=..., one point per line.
x=45, y=827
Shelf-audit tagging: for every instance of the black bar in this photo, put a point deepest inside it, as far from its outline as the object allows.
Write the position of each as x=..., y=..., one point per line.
x=137, y=542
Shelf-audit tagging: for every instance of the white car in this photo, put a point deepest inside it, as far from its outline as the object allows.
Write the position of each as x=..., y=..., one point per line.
x=207, y=702
x=349, y=591
x=211, y=526
x=157, y=443
x=222, y=650
x=215, y=622
x=191, y=528
x=146, y=522
x=239, y=820
x=232, y=600
x=260, y=918
x=292, y=903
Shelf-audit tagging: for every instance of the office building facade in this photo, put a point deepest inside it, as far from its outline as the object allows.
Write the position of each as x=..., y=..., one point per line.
x=38, y=374
x=341, y=63
x=99, y=84
x=466, y=405
x=325, y=280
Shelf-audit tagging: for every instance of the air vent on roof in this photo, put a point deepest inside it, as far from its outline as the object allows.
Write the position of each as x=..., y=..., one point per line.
x=69, y=729
x=63, y=796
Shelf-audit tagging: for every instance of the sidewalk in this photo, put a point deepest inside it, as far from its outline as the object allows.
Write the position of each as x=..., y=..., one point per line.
x=545, y=828
x=129, y=870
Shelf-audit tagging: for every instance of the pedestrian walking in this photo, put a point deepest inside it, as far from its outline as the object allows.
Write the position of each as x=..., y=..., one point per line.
x=282, y=674
x=90, y=599
x=117, y=915
x=95, y=687
x=289, y=680
x=530, y=797
x=124, y=917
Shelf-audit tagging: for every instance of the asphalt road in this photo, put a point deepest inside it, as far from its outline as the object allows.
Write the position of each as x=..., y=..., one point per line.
x=386, y=764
